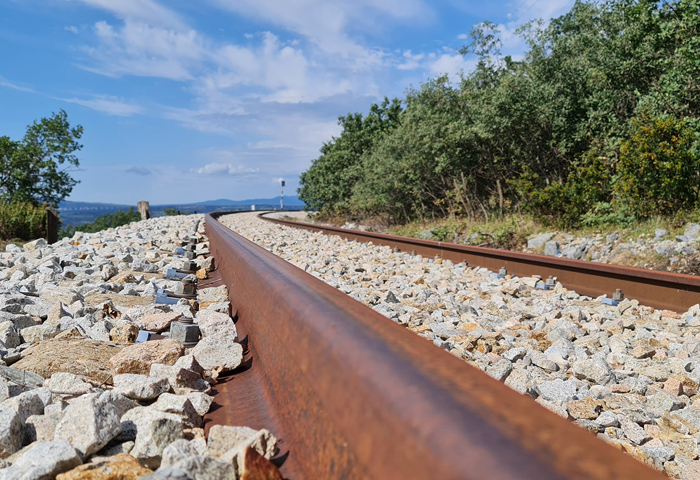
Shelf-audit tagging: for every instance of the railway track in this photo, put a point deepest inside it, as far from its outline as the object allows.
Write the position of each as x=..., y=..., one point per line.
x=354, y=395
x=661, y=290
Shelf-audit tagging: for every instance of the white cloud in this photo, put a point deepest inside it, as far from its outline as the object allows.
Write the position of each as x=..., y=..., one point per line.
x=8, y=84
x=107, y=104
x=225, y=169
x=143, y=50
x=411, y=61
x=326, y=23
x=72, y=29
x=138, y=10
x=452, y=64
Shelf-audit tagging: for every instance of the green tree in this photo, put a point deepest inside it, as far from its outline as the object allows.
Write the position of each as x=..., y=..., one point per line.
x=327, y=185
x=37, y=168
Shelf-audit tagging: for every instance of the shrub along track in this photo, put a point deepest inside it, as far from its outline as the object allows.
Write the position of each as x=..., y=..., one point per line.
x=354, y=395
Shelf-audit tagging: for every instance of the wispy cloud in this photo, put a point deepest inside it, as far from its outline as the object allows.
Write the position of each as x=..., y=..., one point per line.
x=225, y=169
x=107, y=104
x=72, y=29
x=139, y=170
x=140, y=10
x=8, y=84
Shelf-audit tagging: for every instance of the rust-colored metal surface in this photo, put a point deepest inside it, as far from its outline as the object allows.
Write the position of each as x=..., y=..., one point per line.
x=354, y=395
x=662, y=290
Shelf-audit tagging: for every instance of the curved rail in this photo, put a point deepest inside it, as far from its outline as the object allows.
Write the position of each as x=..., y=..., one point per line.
x=662, y=290
x=354, y=395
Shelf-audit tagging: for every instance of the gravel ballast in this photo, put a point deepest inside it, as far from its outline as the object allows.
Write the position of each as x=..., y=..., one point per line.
x=628, y=373
x=78, y=397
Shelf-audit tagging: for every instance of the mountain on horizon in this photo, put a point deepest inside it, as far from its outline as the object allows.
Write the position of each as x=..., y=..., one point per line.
x=291, y=200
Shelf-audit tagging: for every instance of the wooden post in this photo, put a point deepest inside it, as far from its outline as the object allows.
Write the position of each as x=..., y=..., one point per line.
x=144, y=210
x=52, y=222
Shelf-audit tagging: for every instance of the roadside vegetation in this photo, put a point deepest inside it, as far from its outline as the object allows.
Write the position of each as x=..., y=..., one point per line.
x=35, y=175
x=103, y=222
x=597, y=127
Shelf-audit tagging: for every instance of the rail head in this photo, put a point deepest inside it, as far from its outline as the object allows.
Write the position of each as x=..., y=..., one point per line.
x=359, y=396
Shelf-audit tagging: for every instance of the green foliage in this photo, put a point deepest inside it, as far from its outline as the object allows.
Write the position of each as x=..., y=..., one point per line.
x=328, y=184
x=604, y=109
x=603, y=215
x=103, y=222
x=31, y=169
x=170, y=212
x=22, y=220
x=659, y=171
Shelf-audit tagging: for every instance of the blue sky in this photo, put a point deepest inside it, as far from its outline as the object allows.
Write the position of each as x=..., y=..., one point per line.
x=185, y=101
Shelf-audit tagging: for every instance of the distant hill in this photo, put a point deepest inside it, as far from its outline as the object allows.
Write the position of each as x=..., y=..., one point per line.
x=77, y=213
x=291, y=200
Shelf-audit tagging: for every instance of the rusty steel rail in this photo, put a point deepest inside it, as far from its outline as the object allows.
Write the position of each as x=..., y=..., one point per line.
x=662, y=290
x=354, y=395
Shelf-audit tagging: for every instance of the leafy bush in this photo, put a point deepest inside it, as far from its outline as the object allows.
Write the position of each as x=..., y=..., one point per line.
x=103, y=222
x=603, y=214
x=22, y=220
x=659, y=167
x=555, y=133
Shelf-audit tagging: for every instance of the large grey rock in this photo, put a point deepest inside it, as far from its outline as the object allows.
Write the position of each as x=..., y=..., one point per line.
x=181, y=406
x=226, y=442
x=64, y=382
x=558, y=390
x=21, y=377
x=595, y=370
x=9, y=336
x=212, y=323
x=633, y=431
x=200, y=401
x=21, y=321
x=204, y=468
x=26, y=404
x=10, y=431
x=520, y=381
x=551, y=248
x=153, y=430
x=167, y=474
x=218, y=351
x=212, y=294
x=445, y=330
x=38, y=333
x=176, y=451
x=692, y=230
x=181, y=380
x=43, y=462
x=89, y=423
x=42, y=428
x=563, y=329
x=539, y=240
x=659, y=455
x=140, y=387
x=190, y=363
x=663, y=402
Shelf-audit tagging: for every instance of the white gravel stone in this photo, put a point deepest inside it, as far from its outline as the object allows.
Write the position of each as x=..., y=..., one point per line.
x=89, y=423
x=218, y=351
x=153, y=430
x=140, y=387
x=43, y=462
